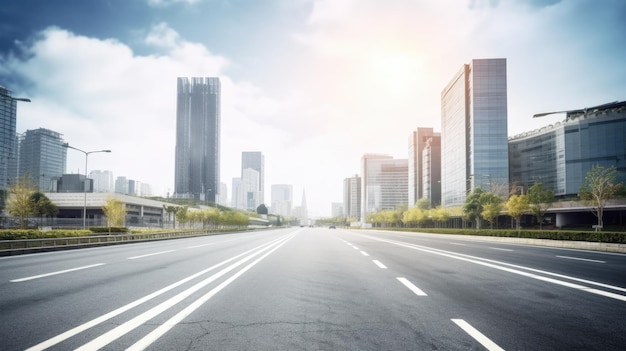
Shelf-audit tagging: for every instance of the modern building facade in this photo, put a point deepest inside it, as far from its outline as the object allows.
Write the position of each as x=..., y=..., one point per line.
x=417, y=142
x=42, y=157
x=431, y=170
x=102, y=181
x=560, y=155
x=250, y=189
x=282, y=199
x=352, y=198
x=197, y=173
x=8, y=139
x=474, y=145
x=256, y=161
x=384, y=183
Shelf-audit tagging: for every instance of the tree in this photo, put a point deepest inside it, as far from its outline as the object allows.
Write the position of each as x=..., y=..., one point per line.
x=517, y=206
x=262, y=209
x=491, y=207
x=171, y=210
x=20, y=203
x=472, y=208
x=42, y=206
x=539, y=200
x=440, y=214
x=598, y=187
x=423, y=204
x=182, y=214
x=115, y=213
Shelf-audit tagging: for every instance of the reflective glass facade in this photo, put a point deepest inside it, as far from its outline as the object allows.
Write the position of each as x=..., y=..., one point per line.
x=560, y=155
x=42, y=156
x=197, y=173
x=417, y=143
x=384, y=183
x=474, y=146
x=8, y=145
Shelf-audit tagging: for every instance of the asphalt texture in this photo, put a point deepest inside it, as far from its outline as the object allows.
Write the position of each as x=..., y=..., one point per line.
x=314, y=289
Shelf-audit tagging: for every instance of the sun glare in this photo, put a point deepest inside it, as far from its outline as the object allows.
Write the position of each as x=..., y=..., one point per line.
x=395, y=72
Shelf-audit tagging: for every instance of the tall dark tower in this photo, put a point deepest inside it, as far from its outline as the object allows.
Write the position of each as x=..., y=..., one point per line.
x=197, y=173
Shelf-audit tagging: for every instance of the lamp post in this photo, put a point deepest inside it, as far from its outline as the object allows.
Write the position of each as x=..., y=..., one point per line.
x=85, y=183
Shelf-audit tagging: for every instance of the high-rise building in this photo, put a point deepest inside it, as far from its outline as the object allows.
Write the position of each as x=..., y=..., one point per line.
x=431, y=171
x=197, y=173
x=250, y=189
x=384, y=183
x=102, y=181
x=237, y=196
x=121, y=185
x=255, y=160
x=474, y=147
x=223, y=194
x=8, y=139
x=42, y=157
x=352, y=198
x=417, y=142
x=282, y=199
x=560, y=155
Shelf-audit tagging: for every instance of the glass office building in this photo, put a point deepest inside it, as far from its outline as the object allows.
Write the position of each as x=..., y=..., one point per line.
x=197, y=173
x=474, y=145
x=42, y=157
x=560, y=155
x=417, y=142
x=8, y=144
x=352, y=197
x=384, y=183
x=255, y=160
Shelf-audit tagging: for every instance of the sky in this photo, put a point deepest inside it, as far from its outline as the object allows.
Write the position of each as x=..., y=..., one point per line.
x=312, y=84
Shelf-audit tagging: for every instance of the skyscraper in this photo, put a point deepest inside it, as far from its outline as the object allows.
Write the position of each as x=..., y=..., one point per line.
x=197, y=173
x=42, y=157
x=474, y=145
x=352, y=198
x=282, y=199
x=8, y=141
x=417, y=142
x=384, y=183
x=255, y=160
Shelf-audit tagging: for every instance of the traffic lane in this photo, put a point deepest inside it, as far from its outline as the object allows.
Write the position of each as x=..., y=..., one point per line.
x=588, y=265
x=317, y=292
x=44, y=307
x=516, y=311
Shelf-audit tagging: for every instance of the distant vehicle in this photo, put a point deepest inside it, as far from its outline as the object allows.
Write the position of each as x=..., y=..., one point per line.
x=332, y=227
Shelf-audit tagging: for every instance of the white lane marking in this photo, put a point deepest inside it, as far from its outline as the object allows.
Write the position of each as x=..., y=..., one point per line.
x=459, y=244
x=364, y=253
x=55, y=273
x=581, y=259
x=379, y=264
x=354, y=247
x=180, y=316
x=480, y=337
x=152, y=254
x=413, y=288
x=500, y=266
x=144, y=317
x=196, y=246
x=497, y=248
x=92, y=323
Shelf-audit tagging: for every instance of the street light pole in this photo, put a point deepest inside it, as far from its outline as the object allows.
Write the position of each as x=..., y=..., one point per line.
x=85, y=182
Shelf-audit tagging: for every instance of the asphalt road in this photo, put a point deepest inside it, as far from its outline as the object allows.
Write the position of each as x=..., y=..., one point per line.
x=314, y=289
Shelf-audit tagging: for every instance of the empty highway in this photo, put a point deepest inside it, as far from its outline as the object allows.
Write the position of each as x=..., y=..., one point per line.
x=314, y=289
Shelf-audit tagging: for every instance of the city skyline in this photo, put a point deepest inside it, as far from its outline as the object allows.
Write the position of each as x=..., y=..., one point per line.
x=317, y=84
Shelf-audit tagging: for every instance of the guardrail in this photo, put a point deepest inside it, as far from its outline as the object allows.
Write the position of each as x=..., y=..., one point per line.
x=15, y=247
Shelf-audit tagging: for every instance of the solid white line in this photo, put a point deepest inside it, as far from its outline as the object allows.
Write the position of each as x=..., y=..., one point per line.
x=459, y=244
x=152, y=254
x=480, y=337
x=196, y=246
x=364, y=253
x=55, y=273
x=413, y=288
x=132, y=324
x=379, y=264
x=501, y=266
x=172, y=322
x=497, y=248
x=92, y=323
x=581, y=259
